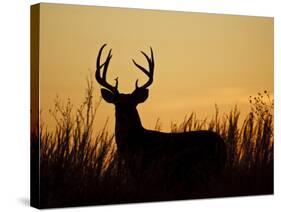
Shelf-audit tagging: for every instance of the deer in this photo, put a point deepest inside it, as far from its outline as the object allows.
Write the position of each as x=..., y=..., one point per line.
x=179, y=153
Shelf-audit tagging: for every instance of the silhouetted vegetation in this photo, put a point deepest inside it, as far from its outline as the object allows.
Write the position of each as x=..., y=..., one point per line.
x=80, y=166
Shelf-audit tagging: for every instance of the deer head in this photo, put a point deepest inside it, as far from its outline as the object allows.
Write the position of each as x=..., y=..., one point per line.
x=125, y=104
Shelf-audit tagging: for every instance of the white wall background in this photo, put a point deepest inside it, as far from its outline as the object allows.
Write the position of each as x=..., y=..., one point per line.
x=14, y=103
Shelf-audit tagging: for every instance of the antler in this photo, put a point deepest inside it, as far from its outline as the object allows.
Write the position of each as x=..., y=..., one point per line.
x=102, y=79
x=149, y=72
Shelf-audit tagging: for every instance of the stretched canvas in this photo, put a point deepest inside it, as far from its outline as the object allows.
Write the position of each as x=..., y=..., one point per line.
x=133, y=105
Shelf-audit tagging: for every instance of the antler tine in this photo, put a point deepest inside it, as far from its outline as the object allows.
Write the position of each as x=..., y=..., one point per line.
x=102, y=79
x=105, y=64
x=98, y=57
x=152, y=59
x=149, y=72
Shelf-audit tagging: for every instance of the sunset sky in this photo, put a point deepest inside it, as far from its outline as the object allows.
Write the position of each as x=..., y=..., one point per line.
x=200, y=59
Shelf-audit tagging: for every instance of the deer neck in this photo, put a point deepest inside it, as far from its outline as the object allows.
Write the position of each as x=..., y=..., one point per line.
x=127, y=127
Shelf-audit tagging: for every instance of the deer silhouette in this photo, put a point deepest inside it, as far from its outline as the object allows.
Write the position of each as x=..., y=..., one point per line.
x=140, y=148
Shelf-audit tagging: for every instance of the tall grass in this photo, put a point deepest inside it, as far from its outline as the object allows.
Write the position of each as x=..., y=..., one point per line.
x=79, y=166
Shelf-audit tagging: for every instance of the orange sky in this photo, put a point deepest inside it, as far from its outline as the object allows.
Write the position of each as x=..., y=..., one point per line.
x=200, y=59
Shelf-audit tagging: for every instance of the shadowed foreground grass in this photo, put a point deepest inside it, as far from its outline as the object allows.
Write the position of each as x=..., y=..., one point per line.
x=79, y=166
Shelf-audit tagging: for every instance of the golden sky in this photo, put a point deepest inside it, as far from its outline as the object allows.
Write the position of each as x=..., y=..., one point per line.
x=200, y=59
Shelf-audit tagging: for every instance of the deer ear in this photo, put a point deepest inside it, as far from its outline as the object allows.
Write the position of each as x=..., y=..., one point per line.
x=107, y=96
x=140, y=95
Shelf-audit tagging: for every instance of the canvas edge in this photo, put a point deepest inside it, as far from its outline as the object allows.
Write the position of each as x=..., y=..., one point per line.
x=34, y=106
